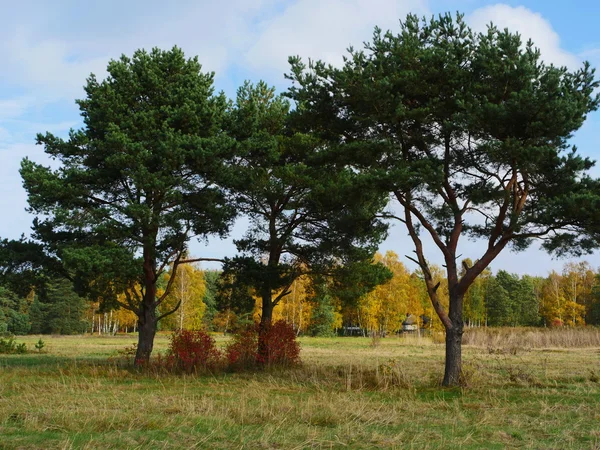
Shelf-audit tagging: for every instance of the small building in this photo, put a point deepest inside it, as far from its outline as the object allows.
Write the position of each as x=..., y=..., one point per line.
x=410, y=324
x=352, y=331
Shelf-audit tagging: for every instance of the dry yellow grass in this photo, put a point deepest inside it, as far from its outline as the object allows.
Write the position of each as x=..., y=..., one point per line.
x=347, y=394
x=528, y=338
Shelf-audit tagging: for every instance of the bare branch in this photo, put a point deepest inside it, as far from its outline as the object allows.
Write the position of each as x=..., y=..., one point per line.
x=127, y=306
x=168, y=313
x=189, y=261
x=390, y=216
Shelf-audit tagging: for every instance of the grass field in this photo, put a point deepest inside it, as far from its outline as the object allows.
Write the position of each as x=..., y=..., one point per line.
x=348, y=393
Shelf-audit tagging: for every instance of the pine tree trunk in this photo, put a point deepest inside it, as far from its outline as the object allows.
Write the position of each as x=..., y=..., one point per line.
x=265, y=320
x=453, y=367
x=267, y=305
x=147, y=320
x=147, y=330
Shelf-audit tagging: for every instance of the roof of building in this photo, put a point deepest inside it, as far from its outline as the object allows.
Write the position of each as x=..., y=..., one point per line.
x=410, y=320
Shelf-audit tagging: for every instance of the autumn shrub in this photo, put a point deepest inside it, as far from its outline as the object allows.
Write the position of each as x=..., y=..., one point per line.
x=242, y=351
x=191, y=351
x=280, y=344
x=267, y=345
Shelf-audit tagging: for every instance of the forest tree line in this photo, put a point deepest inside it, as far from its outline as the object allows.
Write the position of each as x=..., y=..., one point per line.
x=569, y=298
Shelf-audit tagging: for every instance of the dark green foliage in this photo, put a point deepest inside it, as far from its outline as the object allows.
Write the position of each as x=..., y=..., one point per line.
x=355, y=279
x=323, y=313
x=306, y=214
x=527, y=302
x=3, y=323
x=136, y=183
x=13, y=313
x=21, y=348
x=510, y=301
x=57, y=309
x=39, y=345
x=9, y=346
x=234, y=293
x=62, y=309
x=498, y=304
x=37, y=316
x=469, y=133
x=24, y=264
x=593, y=316
x=18, y=323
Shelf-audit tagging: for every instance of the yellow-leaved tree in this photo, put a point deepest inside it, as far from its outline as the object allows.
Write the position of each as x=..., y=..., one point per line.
x=385, y=308
x=187, y=290
x=296, y=307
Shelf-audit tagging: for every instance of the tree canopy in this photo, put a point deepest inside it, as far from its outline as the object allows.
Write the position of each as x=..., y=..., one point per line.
x=136, y=182
x=306, y=216
x=469, y=133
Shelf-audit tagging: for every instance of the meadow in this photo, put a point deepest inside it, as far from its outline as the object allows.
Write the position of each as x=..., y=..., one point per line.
x=522, y=389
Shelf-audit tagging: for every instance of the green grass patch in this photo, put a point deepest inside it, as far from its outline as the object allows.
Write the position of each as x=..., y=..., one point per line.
x=73, y=397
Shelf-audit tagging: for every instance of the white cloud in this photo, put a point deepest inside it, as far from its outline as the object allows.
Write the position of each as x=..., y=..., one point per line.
x=48, y=67
x=13, y=201
x=14, y=107
x=324, y=29
x=49, y=52
x=49, y=48
x=530, y=25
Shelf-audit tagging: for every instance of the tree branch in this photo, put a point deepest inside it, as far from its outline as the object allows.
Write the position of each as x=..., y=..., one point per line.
x=193, y=260
x=431, y=289
x=411, y=209
x=168, y=313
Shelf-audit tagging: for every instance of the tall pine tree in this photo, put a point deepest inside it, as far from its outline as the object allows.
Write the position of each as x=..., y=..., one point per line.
x=468, y=133
x=135, y=183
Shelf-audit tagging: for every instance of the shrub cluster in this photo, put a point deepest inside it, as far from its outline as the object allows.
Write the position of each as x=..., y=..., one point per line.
x=191, y=351
x=273, y=344
x=269, y=344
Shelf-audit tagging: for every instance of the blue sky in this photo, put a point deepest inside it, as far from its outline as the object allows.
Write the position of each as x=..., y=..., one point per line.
x=49, y=48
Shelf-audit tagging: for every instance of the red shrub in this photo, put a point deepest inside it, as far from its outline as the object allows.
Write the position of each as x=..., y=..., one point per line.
x=241, y=353
x=278, y=345
x=192, y=350
x=271, y=344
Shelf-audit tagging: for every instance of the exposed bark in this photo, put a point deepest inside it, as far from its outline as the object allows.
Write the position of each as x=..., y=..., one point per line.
x=147, y=320
x=147, y=323
x=267, y=306
x=457, y=286
x=265, y=320
x=453, y=366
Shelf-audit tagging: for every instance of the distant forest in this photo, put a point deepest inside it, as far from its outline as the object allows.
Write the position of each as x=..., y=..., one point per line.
x=569, y=298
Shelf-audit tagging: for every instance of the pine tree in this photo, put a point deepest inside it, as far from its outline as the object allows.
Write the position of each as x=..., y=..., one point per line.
x=136, y=183
x=469, y=133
